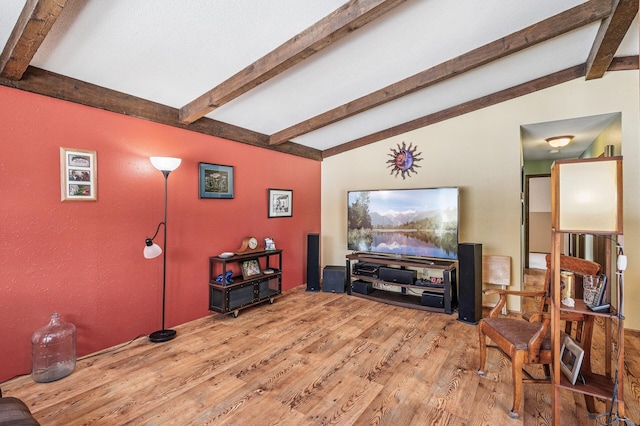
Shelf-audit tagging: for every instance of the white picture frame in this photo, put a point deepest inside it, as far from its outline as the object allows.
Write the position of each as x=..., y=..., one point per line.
x=571, y=355
x=78, y=175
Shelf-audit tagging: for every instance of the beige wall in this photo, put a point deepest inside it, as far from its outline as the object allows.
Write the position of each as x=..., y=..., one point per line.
x=480, y=153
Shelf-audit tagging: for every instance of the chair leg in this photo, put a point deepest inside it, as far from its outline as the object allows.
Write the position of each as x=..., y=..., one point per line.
x=517, y=363
x=483, y=350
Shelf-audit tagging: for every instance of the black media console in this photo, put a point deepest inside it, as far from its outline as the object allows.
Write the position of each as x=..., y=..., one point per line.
x=394, y=280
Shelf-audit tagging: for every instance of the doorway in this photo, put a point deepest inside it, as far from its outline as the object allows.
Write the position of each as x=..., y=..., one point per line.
x=537, y=221
x=589, y=136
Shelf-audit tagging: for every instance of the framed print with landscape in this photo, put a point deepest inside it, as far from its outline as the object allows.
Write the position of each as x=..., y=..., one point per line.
x=215, y=181
x=280, y=203
x=78, y=178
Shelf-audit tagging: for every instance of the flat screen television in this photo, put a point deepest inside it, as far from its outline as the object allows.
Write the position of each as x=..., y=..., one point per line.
x=407, y=222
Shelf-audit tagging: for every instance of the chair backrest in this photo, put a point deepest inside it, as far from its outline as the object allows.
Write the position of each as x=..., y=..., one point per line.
x=572, y=264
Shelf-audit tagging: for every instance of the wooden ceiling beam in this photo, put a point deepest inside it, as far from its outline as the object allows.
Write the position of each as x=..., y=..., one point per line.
x=571, y=19
x=54, y=85
x=464, y=108
x=610, y=34
x=331, y=28
x=33, y=25
x=618, y=64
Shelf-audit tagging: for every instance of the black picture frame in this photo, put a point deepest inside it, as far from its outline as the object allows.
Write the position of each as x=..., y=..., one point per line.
x=280, y=203
x=215, y=181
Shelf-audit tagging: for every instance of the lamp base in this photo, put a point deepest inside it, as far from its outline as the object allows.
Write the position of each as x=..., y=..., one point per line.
x=162, y=336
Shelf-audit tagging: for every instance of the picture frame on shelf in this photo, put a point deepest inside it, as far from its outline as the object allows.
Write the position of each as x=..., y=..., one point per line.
x=215, y=181
x=280, y=202
x=78, y=175
x=250, y=269
x=269, y=244
x=571, y=355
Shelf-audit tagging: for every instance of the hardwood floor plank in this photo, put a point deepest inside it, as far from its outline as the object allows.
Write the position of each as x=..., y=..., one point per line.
x=343, y=402
x=310, y=358
x=306, y=390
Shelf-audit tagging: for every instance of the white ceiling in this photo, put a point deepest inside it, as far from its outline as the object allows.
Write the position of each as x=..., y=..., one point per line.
x=172, y=51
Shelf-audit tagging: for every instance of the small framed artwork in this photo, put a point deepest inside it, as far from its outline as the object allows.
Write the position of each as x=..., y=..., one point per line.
x=78, y=178
x=280, y=203
x=250, y=269
x=215, y=181
x=571, y=355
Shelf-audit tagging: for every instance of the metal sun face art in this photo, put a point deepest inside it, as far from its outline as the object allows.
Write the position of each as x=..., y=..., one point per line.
x=403, y=160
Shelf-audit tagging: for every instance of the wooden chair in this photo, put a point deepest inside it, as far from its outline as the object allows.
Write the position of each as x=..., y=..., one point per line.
x=527, y=340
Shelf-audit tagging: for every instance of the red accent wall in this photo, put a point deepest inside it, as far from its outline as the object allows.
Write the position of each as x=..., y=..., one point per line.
x=84, y=259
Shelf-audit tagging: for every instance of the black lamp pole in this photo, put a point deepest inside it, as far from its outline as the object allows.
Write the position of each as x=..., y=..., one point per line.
x=164, y=335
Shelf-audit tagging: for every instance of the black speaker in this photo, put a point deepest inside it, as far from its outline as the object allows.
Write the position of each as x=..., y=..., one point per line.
x=362, y=287
x=470, y=282
x=433, y=300
x=334, y=278
x=397, y=275
x=313, y=262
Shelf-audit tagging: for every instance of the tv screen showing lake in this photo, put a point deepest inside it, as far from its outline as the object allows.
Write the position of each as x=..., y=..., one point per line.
x=416, y=222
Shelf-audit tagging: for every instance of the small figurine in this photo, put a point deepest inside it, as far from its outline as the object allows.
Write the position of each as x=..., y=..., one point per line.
x=228, y=279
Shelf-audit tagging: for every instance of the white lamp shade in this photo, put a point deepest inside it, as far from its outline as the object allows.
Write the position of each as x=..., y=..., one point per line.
x=152, y=251
x=588, y=195
x=165, y=164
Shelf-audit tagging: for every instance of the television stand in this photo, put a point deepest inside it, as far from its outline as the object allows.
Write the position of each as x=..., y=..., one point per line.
x=439, y=294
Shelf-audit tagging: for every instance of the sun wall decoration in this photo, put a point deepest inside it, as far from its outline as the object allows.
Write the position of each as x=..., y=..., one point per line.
x=403, y=160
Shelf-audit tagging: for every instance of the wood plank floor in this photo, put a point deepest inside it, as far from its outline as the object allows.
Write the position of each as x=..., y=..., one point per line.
x=310, y=358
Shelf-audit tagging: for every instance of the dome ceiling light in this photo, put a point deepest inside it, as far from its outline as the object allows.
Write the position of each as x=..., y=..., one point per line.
x=559, y=141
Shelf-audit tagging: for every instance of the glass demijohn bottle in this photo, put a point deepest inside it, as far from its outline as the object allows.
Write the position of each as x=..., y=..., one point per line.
x=53, y=350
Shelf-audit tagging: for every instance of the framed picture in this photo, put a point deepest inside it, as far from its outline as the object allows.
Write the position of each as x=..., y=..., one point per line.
x=78, y=178
x=571, y=355
x=215, y=181
x=251, y=268
x=280, y=203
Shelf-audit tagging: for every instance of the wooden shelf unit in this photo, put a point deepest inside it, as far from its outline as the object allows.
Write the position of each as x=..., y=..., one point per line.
x=595, y=385
x=411, y=295
x=601, y=176
x=244, y=292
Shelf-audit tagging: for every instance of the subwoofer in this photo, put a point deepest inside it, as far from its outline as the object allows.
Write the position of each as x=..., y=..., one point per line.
x=470, y=282
x=313, y=262
x=333, y=279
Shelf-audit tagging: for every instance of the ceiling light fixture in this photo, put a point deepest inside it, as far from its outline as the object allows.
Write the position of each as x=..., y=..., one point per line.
x=559, y=141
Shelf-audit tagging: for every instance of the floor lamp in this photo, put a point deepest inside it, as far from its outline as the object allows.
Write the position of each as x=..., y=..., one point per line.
x=166, y=165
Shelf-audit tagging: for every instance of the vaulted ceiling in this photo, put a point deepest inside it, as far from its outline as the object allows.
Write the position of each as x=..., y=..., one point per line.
x=312, y=78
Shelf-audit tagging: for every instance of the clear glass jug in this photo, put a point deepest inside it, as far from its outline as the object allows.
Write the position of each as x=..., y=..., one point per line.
x=53, y=350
